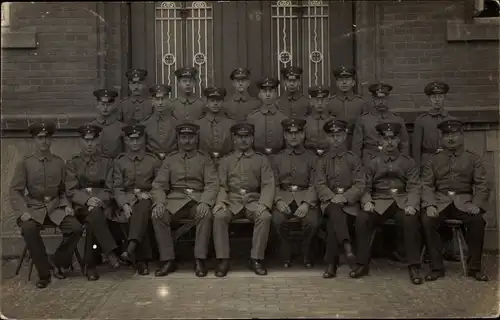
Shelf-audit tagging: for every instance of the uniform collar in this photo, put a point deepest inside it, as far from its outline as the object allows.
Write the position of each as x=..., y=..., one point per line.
x=214, y=117
x=247, y=153
x=243, y=97
x=136, y=155
x=457, y=152
x=138, y=99
x=345, y=96
x=293, y=96
x=43, y=155
x=391, y=156
x=316, y=115
x=187, y=99
x=378, y=113
x=189, y=154
x=265, y=109
x=298, y=151
x=336, y=152
x=438, y=112
x=106, y=121
x=88, y=158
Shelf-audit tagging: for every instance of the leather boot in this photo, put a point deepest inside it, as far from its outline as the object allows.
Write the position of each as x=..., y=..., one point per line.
x=113, y=260
x=222, y=268
x=258, y=267
x=92, y=274
x=478, y=275
x=349, y=254
x=166, y=268
x=200, y=268
x=142, y=268
x=359, y=271
x=414, y=272
x=43, y=283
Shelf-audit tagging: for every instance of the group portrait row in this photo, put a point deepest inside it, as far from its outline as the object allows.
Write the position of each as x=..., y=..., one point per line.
x=149, y=159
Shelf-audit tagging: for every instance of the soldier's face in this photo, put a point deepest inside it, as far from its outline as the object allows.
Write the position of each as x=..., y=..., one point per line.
x=186, y=85
x=136, y=87
x=105, y=108
x=159, y=103
x=437, y=100
x=43, y=143
x=345, y=84
x=379, y=102
x=268, y=95
x=337, y=138
x=389, y=143
x=453, y=140
x=188, y=142
x=135, y=144
x=292, y=85
x=214, y=105
x=294, y=139
x=89, y=146
x=243, y=143
x=241, y=85
x=319, y=103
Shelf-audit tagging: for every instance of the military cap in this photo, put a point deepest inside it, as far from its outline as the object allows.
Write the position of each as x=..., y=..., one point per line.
x=450, y=125
x=42, y=129
x=134, y=131
x=344, y=72
x=105, y=95
x=136, y=74
x=291, y=72
x=268, y=82
x=89, y=131
x=214, y=93
x=160, y=90
x=319, y=92
x=380, y=89
x=293, y=124
x=187, y=128
x=240, y=73
x=335, y=125
x=188, y=72
x=388, y=129
x=436, y=87
x=243, y=129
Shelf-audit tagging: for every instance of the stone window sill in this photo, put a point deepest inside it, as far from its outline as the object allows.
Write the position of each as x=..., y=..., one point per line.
x=480, y=29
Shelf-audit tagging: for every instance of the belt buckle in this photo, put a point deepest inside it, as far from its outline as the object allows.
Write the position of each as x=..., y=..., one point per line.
x=451, y=193
x=269, y=150
x=189, y=190
x=439, y=149
x=161, y=155
x=47, y=199
x=89, y=190
x=320, y=151
x=380, y=148
x=243, y=192
x=215, y=154
x=340, y=190
x=394, y=190
x=137, y=190
x=294, y=188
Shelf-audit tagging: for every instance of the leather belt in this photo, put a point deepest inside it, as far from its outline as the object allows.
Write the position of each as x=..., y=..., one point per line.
x=137, y=190
x=293, y=187
x=161, y=155
x=451, y=192
x=391, y=191
x=243, y=191
x=42, y=198
x=320, y=152
x=187, y=191
x=338, y=190
x=215, y=155
x=432, y=151
x=268, y=150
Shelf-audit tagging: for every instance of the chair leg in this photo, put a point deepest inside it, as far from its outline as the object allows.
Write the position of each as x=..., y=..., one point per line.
x=30, y=269
x=460, y=239
x=21, y=260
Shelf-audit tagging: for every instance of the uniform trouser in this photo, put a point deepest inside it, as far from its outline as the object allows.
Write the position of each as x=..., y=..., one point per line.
x=262, y=224
x=138, y=228
x=367, y=221
x=97, y=231
x=474, y=225
x=310, y=225
x=163, y=233
x=71, y=230
x=338, y=231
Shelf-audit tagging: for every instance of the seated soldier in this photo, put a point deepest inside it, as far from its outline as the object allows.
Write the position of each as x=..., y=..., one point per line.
x=133, y=174
x=246, y=190
x=89, y=179
x=316, y=138
x=37, y=194
x=186, y=186
x=392, y=190
x=340, y=183
x=454, y=185
x=295, y=195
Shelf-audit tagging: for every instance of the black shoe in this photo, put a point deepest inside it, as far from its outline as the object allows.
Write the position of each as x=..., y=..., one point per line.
x=142, y=268
x=349, y=255
x=308, y=264
x=56, y=270
x=113, y=260
x=478, y=275
x=167, y=267
x=287, y=264
x=415, y=276
x=330, y=271
x=360, y=271
x=258, y=267
x=92, y=274
x=125, y=256
x=222, y=268
x=200, y=268
x=43, y=283
x=433, y=275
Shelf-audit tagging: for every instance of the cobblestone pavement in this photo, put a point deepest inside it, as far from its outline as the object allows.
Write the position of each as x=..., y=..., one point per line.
x=296, y=292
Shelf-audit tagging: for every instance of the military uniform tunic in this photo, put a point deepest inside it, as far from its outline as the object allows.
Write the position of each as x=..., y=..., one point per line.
x=215, y=134
x=294, y=105
x=135, y=109
x=187, y=108
x=316, y=138
x=160, y=134
x=111, y=135
x=239, y=106
x=268, y=129
x=348, y=107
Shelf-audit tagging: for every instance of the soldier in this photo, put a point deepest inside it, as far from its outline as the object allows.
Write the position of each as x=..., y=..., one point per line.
x=186, y=186
x=107, y=118
x=37, y=194
x=267, y=119
x=454, y=185
x=240, y=104
x=160, y=126
x=392, y=190
x=340, y=183
x=187, y=107
x=246, y=190
x=89, y=178
x=426, y=138
x=136, y=107
x=365, y=140
x=293, y=103
x=133, y=174
x=345, y=103
x=215, y=135
x=316, y=138
x=295, y=195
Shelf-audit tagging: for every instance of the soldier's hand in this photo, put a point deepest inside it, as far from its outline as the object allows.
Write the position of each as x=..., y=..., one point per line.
x=95, y=202
x=409, y=210
x=144, y=196
x=202, y=210
x=25, y=216
x=472, y=208
x=158, y=211
x=283, y=207
x=369, y=207
x=69, y=211
x=431, y=212
x=339, y=198
x=301, y=210
x=127, y=211
x=220, y=206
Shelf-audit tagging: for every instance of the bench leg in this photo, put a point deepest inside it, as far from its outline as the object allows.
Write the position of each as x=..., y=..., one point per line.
x=460, y=239
x=21, y=260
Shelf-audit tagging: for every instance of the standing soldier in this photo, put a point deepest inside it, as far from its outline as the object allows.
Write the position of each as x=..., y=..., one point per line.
x=215, y=134
x=454, y=185
x=316, y=138
x=392, y=190
x=426, y=138
x=187, y=107
x=293, y=103
x=365, y=140
x=246, y=190
x=345, y=103
x=267, y=119
x=295, y=195
x=240, y=104
x=133, y=174
x=160, y=126
x=37, y=195
x=136, y=107
x=89, y=179
x=107, y=118
x=186, y=186
x=340, y=183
